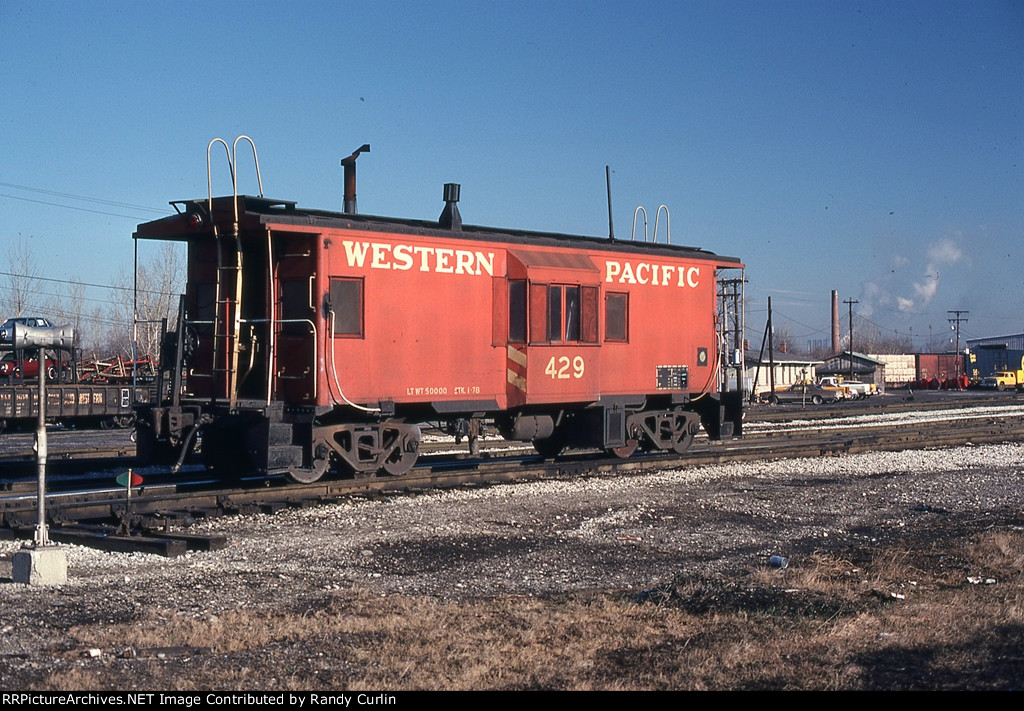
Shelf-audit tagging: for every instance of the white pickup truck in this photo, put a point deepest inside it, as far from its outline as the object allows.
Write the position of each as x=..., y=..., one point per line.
x=851, y=389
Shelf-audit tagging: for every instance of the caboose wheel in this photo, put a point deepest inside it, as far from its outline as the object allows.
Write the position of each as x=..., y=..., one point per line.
x=305, y=476
x=550, y=446
x=320, y=464
x=626, y=451
x=397, y=465
x=685, y=430
x=401, y=444
x=683, y=443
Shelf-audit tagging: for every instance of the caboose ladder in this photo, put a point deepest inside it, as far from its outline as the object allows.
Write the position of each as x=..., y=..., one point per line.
x=227, y=318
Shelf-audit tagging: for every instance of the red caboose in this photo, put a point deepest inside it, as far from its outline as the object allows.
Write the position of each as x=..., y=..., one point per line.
x=309, y=338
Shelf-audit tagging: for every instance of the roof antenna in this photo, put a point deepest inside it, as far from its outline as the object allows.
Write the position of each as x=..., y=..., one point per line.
x=608, y=182
x=350, y=179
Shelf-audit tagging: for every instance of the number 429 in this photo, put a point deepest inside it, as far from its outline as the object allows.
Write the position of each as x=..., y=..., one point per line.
x=561, y=368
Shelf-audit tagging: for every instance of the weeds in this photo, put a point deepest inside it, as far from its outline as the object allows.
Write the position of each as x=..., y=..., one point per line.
x=899, y=617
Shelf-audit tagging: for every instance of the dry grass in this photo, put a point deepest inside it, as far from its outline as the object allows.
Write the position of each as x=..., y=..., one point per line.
x=886, y=618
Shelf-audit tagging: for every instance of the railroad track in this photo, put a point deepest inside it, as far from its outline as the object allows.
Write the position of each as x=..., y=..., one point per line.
x=96, y=513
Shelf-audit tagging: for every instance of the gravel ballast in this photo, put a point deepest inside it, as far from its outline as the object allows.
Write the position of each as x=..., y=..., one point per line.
x=533, y=539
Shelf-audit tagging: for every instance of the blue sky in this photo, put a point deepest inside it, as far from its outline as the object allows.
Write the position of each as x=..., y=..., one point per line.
x=872, y=148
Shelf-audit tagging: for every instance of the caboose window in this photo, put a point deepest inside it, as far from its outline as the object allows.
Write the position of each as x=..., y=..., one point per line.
x=347, y=304
x=517, y=312
x=554, y=313
x=616, y=317
x=572, y=314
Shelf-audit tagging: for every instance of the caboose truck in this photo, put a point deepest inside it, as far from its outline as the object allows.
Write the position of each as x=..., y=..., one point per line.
x=309, y=340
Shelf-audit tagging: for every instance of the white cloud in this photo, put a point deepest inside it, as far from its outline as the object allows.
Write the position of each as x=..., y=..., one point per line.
x=883, y=293
x=944, y=251
x=926, y=289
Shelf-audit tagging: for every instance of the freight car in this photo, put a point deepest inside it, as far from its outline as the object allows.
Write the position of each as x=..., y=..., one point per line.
x=78, y=405
x=309, y=340
x=70, y=401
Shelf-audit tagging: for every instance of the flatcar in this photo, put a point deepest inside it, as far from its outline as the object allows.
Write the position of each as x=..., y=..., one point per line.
x=71, y=400
x=310, y=340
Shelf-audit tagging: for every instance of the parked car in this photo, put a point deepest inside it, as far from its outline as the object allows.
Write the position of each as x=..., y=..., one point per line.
x=10, y=366
x=834, y=386
x=802, y=392
x=7, y=328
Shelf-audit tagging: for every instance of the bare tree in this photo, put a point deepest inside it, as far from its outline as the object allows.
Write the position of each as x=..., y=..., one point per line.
x=95, y=334
x=159, y=280
x=22, y=277
x=869, y=338
x=67, y=308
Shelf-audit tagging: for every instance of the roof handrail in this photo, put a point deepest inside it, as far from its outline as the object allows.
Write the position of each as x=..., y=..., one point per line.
x=668, y=224
x=209, y=171
x=639, y=208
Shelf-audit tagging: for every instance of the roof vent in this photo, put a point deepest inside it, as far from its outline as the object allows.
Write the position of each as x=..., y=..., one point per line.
x=450, y=218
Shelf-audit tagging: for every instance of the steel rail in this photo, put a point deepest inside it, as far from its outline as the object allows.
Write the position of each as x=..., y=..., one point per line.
x=163, y=501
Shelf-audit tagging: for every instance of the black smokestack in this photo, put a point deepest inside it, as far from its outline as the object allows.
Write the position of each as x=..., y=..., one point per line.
x=450, y=218
x=349, y=164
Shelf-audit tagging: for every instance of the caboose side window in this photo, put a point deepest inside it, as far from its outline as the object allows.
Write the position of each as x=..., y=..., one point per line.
x=571, y=332
x=554, y=313
x=616, y=317
x=517, y=311
x=347, y=304
x=572, y=314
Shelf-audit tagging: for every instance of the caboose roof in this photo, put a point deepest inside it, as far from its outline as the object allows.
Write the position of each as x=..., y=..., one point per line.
x=283, y=212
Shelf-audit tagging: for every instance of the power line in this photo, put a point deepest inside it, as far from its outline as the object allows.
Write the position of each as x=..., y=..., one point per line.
x=83, y=198
x=85, y=283
x=71, y=207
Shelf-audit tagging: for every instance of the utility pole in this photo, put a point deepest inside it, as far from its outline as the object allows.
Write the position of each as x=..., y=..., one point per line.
x=771, y=349
x=955, y=320
x=850, y=303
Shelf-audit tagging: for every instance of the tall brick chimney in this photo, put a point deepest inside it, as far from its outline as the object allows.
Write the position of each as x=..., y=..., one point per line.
x=835, y=322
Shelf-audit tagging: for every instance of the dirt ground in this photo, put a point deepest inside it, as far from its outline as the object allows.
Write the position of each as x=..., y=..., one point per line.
x=652, y=581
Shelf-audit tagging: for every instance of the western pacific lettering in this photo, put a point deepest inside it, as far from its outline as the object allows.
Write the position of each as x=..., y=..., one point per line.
x=405, y=257
x=652, y=274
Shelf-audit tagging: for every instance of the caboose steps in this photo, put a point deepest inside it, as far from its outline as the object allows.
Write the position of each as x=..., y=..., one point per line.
x=280, y=433
x=284, y=456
